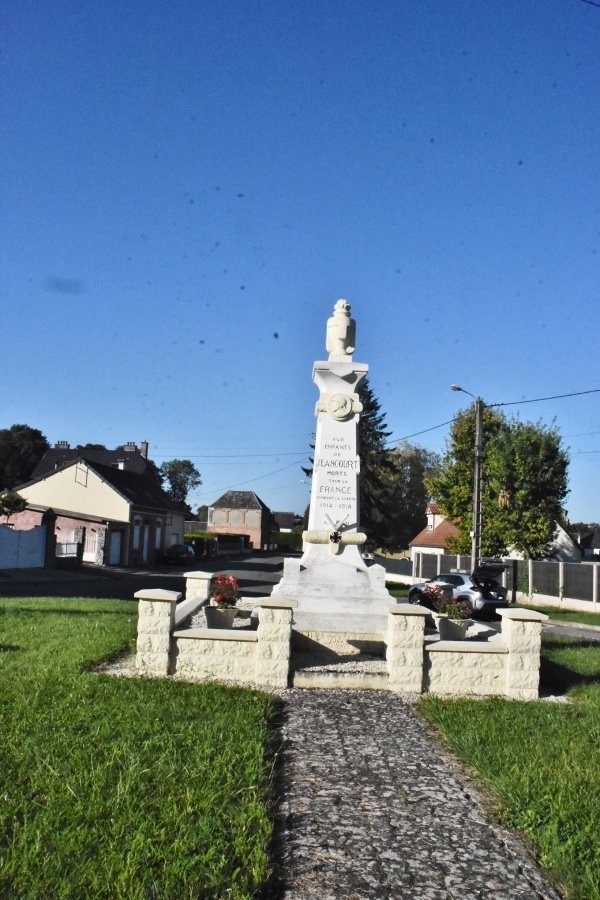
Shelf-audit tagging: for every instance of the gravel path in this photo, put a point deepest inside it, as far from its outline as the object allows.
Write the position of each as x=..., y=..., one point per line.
x=371, y=808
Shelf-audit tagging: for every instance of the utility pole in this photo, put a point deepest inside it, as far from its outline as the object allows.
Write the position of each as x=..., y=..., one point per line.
x=477, y=472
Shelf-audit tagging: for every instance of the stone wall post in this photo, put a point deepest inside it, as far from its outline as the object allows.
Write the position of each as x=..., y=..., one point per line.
x=404, y=653
x=274, y=642
x=522, y=634
x=156, y=619
x=197, y=584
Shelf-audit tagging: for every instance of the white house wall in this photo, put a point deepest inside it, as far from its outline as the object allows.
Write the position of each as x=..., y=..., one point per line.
x=80, y=490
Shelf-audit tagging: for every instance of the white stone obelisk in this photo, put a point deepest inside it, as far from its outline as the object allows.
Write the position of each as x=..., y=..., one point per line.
x=333, y=587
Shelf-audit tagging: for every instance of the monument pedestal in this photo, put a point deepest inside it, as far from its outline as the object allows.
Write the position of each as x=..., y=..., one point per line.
x=334, y=594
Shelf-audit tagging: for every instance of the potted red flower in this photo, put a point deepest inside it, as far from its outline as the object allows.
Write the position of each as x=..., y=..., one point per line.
x=224, y=594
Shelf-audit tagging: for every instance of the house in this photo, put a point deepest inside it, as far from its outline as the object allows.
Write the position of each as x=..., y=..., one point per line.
x=432, y=539
x=121, y=517
x=127, y=457
x=286, y=521
x=589, y=541
x=241, y=512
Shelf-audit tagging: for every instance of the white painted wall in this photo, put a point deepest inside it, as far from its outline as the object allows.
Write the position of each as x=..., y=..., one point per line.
x=80, y=490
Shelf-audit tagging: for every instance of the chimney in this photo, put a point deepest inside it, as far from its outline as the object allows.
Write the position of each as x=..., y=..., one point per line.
x=62, y=445
x=131, y=447
x=144, y=449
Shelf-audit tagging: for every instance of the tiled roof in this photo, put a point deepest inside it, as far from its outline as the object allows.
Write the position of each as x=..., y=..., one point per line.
x=57, y=457
x=239, y=500
x=437, y=537
x=433, y=508
x=590, y=540
x=138, y=489
x=285, y=519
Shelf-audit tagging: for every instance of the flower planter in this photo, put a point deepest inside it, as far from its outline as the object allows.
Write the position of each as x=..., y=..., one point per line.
x=219, y=618
x=453, y=629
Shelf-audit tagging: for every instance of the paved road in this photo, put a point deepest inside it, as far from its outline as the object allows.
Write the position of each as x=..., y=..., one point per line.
x=372, y=809
x=583, y=632
x=256, y=574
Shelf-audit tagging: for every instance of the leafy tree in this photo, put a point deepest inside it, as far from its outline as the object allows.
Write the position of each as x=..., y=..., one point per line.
x=11, y=503
x=583, y=527
x=376, y=469
x=202, y=513
x=527, y=486
x=181, y=476
x=412, y=465
x=21, y=449
x=94, y=447
x=523, y=487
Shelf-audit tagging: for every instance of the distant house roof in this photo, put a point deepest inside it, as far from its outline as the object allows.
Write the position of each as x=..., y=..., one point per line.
x=285, y=519
x=129, y=457
x=590, y=540
x=437, y=537
x=432, y=509
x=239, y=500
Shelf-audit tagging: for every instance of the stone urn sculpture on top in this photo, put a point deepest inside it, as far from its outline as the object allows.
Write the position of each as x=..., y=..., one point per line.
x=224, y=594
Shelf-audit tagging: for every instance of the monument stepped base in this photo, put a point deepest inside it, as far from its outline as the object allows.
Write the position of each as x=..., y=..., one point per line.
x=335, y=659
x=340, y=681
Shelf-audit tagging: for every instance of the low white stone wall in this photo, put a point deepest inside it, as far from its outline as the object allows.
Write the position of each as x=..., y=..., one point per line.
x=463, y=668
x=214, y=653
x=405, y=642
x=156, y=620
x=509, y=666
x=261, y=656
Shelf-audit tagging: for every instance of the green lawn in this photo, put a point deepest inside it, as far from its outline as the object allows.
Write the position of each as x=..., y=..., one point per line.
x=542, y=761
x=397, y=589
x=123, y=788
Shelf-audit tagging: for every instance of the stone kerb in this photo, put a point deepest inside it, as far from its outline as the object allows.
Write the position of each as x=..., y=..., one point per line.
x=404, y=653
x=274, y=642
x=156, y=619
x=522, y=634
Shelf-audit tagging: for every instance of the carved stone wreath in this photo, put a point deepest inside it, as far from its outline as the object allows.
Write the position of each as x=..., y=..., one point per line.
x=339, y=406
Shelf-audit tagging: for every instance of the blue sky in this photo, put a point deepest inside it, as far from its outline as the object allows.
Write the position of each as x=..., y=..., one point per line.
x=188, y=189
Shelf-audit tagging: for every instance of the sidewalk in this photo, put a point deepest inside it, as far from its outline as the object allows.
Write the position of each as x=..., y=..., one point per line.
x=372, y=809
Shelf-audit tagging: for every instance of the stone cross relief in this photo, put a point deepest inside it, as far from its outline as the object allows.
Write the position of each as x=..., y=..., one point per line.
x=336, y=538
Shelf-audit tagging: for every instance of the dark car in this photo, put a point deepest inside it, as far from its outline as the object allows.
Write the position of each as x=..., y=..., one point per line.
x=481, y=590
x=179, y=553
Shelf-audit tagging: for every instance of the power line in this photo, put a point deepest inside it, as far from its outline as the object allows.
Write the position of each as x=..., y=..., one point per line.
x=511, y=403
x=251, y=480
x=539, y=399
x=416, y=433
x=231, y=455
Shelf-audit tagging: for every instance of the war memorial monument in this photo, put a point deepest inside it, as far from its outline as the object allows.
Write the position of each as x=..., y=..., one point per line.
x=332, y=586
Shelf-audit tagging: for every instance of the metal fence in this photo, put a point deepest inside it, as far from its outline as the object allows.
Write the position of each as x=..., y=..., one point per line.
x=578, y=581
x=572, y=581
x=546, y=577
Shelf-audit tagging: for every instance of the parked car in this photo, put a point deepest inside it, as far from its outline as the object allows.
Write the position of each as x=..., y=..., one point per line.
x=481, y=590
x=180, y=553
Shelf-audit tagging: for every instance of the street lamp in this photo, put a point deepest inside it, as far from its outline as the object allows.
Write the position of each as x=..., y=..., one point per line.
x=477, y=472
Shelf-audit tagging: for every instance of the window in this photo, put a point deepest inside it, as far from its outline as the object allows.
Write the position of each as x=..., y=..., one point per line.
x=158, y=534
x=219, y=517
x=252, y=517
x=137, y=527
x=235, y=517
